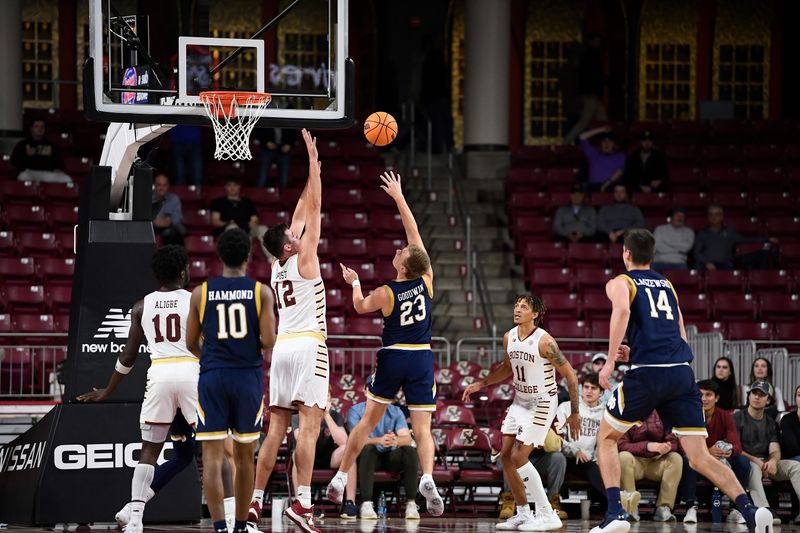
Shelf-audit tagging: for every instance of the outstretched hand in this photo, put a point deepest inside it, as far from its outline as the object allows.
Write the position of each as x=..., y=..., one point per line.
x=472, y=388
x=311, y=146
x=391, y=184
x=348, y=274
x=96, y=395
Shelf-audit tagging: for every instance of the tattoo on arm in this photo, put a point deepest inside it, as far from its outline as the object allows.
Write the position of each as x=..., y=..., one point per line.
x=572, y=385
x=554, y=354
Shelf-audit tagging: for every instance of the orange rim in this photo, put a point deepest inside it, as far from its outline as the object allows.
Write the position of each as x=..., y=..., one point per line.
x=222, y=100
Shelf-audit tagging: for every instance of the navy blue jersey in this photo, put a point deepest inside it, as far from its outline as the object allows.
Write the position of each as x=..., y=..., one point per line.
x=229, y=315
x=654, y=332
x=408, y=324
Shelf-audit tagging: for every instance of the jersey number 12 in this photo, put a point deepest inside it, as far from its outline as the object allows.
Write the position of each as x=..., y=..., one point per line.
x=661, y=303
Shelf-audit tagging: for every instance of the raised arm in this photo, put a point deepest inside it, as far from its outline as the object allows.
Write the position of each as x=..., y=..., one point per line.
x=618, y=291
x=588, y=134
x=193, y=325
x=266, y=321
x=307, y=256
x=298, y=223
x=379, y=299
x=548, y=348
x=392, y=186
x=126, y=359
x=500, y=373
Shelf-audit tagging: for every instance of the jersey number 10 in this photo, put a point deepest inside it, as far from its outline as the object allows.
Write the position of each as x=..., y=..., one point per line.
x=661, y=303
x=173, y=328
x=231, y=321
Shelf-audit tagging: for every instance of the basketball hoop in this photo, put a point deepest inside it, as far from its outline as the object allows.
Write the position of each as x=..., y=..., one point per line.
x=232, y=128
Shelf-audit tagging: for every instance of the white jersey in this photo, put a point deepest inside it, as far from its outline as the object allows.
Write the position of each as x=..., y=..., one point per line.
x=301, y=302
x=164, y=323
x=534, y=375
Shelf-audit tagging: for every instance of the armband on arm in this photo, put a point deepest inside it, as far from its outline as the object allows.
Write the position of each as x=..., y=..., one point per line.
x=122, y=369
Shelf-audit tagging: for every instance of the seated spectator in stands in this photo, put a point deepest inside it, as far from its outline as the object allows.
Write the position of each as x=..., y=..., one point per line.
x=723, y=443
x=730, y=397
x=615, y=219
x=673, y=242
x=715, y=246
x=758, y=433
x=605, y=165
x=167, y=212
x=231, y=210
x=649, y=452
x=389, y=447
x=581, y=453
x=761, y=369
x=276, y=145
x=187, y=154
x=576, y=222
x=790, y=436
x=331, y=443
x=37, y=159
x=646, y=168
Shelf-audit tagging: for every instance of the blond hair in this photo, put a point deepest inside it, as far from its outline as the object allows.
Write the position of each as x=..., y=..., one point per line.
x=417, y=263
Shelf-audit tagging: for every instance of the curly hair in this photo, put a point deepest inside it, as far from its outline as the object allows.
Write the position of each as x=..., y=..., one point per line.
x=168, y=262
x=233, y=247
x=274, y=239
x=536, y=304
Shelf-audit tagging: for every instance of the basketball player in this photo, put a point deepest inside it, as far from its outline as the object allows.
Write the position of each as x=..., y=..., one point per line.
x=299, y=370
x=171, y=393
x=406, y=359
x=234, y=315
x=532, y=358
x=645, y=305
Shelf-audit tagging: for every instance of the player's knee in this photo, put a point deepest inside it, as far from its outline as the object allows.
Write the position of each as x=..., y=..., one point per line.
x=519, y=457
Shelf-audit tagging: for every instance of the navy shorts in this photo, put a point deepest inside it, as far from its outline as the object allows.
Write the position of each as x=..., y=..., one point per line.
x=671, y=391
x=410, y=369
x=230, y=399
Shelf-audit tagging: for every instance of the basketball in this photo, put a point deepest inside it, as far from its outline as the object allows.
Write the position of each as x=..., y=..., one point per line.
x=380, y=128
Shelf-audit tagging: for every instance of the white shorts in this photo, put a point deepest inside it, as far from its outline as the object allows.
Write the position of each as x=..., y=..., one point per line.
x=170, y=386
x=299, y=372
x=529, y=425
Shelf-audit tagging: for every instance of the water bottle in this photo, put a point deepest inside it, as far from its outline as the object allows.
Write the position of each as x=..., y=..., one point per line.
x=716, y=506
x=382, y=507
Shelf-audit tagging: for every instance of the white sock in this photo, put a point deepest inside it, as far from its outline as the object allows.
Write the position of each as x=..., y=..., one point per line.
x=524, y=510
x=148, y=493
x=140, y=488
x=341, y=476
x=230, y=507
x=258, y=496
x=304, y=496
x=534, y=488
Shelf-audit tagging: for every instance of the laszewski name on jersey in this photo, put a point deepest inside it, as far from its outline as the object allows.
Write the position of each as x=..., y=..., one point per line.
x=652, y=282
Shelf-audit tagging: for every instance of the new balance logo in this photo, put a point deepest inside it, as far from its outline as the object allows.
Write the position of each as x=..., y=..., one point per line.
x=116, y=323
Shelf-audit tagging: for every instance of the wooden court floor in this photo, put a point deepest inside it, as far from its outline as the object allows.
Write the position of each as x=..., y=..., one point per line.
x=427, y=525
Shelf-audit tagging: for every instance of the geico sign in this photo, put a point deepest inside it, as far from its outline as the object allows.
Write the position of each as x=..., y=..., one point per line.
x=97, y=456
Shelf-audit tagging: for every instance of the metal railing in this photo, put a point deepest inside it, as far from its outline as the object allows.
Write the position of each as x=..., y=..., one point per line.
x=409, y=112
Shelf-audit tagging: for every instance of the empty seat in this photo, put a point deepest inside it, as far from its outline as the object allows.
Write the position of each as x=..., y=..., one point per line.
x=59, y=298
x=366, y=272
x=694, y=307
x=734, y=202
x=201, y=245
x=26, y=298
x=343, y=199
x=749, y=331
x=562, y=329
x=779, y=307
x=198, y=271
x=8, y=244
x=350, y=248
x=729, y=306
x=62, y=217
x=337, y=325
x=545, y=254
x=454, y=415
x=787, y=331
x=790, y=255
x=685, y=281
x=334, y=299
x=372, y=326
x=19, y=192
x=596, y=306
x=265, y=196
x=34, y=323
x=38, y=244
x=535, y=227
x=550, y=279
x=761, y=281
x=586, y=254
x=260, y=270
x=18, y=268
x=197, y=220
x=25, y=217
x=350, y=222
x=592, y=279
x=724, y=281
x=561, y=305
x=776, y=203
x=465, y=368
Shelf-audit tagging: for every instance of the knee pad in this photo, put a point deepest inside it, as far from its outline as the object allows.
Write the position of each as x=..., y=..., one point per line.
x=154, y=432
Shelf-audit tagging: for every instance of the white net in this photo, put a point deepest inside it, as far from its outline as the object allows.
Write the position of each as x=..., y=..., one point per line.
x=232, y=128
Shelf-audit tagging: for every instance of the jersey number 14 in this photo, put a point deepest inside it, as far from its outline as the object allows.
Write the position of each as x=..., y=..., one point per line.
x=661, y=303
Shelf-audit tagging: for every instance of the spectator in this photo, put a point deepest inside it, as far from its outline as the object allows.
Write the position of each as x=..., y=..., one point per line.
x=790, y=431
x=723, y=443
x=598, y=361
x=331, y=443
x=715, y=246
x=646, y=168
x=649, y=452
x=389, y=447
x=615, y=219
x=606, y=165
x=187, y=154
x=761, y=369
x=233, y=211
x=790, y=436
x=168, y=215
x=582, y=453
x=591, y=86
x=730, y=397
x=576, y=222
x=37, y=159
x=276, y=145
x=760, y=444
x=673, y=242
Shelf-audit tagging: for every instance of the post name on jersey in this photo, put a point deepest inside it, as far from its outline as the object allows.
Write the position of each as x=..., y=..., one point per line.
x=407, y=295
x=281, y=275
x=166, y=304
x=652, y=282
x=238, y=294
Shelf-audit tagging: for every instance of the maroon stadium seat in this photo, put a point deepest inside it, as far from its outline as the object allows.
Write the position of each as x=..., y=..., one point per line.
x=685, y=281
x=596, y=306
x=18, y=269
x=761, y=281
x=786, y=331
x=334, y=299
x=19, y=192
x=586, y=254
x=337, y=325
x=197, y=221
x=766, y=178
x=377, y=199
x=790, y=255
x=749, y=331
x=25, y=217
x=453, y=415
x=24, y=298
x=387, y=224
x=16, y=373
x=560, y=329
x=561, y=306
x=201, y=245
x=735, y=203
x=728, y=307
x=365, y=326
x=350, y=249
x=545, y=254
x=694, y=203
x=550, y=279
x=592, y=279
x=335, y=199
x=59, y=298
x=265, y=197
x=34, y=323
x=8, y=244
x=779, y=307
x=6, y=323
x=776, y=203
x=465, y=368
x=62, y=217
x=535, y=227
x=695, y=306
x=353, y=223
x=198, y=271
x=260, y=270
x=724, y=281
x=38, y=244
x=273, y=218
